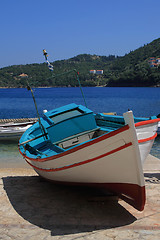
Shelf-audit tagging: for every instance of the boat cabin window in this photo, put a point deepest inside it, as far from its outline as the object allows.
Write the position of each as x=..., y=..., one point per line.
x=66, y=115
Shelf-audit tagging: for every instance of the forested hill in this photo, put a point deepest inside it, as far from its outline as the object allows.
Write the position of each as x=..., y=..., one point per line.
x=133, y=69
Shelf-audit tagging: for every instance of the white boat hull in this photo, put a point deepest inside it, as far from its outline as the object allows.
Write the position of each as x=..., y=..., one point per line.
x=12, y=131
x=112, y=161
x=10, y=136
x=158, y=130
x=146, y=133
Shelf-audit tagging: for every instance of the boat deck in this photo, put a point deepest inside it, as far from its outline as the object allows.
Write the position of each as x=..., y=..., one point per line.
x=47, y=149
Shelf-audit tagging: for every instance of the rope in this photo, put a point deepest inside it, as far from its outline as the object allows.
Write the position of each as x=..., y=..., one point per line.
x=77, y=76
x=39, y=120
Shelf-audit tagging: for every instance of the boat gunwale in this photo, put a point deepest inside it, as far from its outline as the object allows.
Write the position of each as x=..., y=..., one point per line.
x=82, y=162
x=81, y=146
x=146, y=122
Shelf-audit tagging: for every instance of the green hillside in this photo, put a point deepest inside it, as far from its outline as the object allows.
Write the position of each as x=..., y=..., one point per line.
x=133, y=69
x=130, y=70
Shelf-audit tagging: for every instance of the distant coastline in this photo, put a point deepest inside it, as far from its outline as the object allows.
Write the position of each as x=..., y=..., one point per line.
x=139, y=68
x=119, y=86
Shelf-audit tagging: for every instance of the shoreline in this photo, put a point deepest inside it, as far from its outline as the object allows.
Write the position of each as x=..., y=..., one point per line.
x=101, y=86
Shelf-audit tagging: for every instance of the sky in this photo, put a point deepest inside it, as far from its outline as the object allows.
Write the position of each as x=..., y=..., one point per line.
x=66, y=28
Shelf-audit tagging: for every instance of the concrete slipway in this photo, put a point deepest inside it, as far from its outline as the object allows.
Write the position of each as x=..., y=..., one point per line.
x=33, y=209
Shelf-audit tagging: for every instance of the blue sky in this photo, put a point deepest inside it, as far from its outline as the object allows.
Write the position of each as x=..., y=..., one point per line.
x=67, y=28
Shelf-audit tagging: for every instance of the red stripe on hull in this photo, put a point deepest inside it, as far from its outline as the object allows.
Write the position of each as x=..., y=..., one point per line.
x=99, y=139
x=133, y=194
x=147, y=122
x=81, y=163
x=147, y=139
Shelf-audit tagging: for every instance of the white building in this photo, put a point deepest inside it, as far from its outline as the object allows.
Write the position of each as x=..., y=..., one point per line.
x=93, y=71
x=98, y=72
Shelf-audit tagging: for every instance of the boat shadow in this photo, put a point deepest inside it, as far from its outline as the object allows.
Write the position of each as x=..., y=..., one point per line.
x=64, y=209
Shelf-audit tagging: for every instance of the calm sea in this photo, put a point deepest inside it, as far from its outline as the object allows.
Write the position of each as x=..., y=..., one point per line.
x=18, y=103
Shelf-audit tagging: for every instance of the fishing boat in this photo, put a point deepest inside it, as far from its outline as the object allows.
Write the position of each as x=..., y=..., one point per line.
x=12, y=129
x=113, y=117
x=72, y=145
x=146, y=130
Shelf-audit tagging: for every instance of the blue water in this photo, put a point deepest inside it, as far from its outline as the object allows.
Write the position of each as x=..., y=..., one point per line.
x=18, y=103
x=15, y=103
